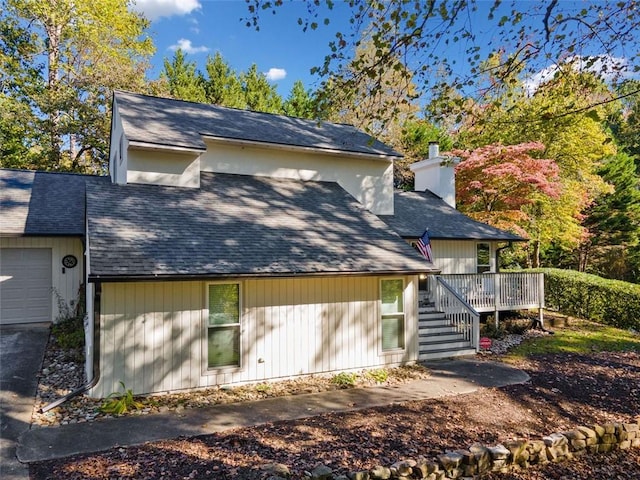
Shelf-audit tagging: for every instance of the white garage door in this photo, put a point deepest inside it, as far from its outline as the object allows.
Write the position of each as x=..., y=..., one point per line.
x=25, y=285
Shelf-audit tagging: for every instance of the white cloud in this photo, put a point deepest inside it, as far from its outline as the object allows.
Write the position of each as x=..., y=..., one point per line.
x=275, y=74
x=186, y=46
x=154, y=9
x=605, y=66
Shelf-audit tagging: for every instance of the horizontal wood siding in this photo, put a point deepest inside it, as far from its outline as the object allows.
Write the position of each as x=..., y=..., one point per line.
x=67, y=283
x=152, y=334
x=457, y=256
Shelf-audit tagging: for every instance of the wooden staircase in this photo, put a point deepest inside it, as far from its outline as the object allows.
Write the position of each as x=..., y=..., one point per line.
x=437, y=338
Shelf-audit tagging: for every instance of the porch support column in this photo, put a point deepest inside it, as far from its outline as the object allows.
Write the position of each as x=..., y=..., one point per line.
x=541, y=298
x=496, y=296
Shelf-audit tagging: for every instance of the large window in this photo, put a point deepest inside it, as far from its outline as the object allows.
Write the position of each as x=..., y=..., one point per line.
x=223, y=326
x=392, y=308
x=483, y=257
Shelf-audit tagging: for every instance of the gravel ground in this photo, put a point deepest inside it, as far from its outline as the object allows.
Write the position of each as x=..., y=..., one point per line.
x=566, y=390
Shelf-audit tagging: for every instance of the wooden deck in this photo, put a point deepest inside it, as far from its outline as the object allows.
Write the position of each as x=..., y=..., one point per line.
x=462, y=297
x=496, y=292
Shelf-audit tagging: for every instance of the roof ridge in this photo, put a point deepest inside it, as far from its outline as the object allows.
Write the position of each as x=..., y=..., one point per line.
x=236, y=109
x=78, y=174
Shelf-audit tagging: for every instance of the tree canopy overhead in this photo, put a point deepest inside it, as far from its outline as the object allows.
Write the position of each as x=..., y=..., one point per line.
x=419, y=36
x=72, y=55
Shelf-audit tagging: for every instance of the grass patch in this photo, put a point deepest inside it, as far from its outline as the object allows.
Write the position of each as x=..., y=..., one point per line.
x=579, y=336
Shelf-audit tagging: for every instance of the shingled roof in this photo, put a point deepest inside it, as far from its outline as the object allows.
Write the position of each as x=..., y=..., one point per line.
x=41, y=203
x=415, y=211
x=236, y=225
x=164, y=121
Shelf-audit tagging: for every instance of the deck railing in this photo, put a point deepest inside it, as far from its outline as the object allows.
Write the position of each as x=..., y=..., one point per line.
x=458, y=311
x=494, y=292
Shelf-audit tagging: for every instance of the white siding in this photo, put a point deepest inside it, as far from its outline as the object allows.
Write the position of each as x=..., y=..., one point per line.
x=152, y=334
x=370, y=181
x=65, y=281
x=458, y=256
x=179, y=169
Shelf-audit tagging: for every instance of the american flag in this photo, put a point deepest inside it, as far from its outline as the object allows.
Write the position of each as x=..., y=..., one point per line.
x=424, y=245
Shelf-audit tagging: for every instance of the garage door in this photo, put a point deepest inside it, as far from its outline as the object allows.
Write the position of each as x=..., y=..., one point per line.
x=25, y=285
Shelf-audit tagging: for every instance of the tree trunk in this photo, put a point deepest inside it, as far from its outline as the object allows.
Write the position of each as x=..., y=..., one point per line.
x=535, y=255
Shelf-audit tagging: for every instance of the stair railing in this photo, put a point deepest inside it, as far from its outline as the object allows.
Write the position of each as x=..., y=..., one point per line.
x=458, y=311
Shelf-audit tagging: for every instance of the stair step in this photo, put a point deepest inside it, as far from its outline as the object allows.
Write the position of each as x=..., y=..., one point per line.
x=428, y=310
x=431, y=316
x=435, y=322
x=430, y=338
x=446, y=353
x=434, y=330
x=425, y=345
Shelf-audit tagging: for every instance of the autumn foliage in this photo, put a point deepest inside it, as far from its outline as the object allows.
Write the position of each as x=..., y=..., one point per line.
x=494, y=183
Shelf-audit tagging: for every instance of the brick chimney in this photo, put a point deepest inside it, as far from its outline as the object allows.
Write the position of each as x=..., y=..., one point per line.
x=436, y=174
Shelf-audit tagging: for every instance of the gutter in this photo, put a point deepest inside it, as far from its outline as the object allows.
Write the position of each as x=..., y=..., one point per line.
x=95, y=374
x=208, y=276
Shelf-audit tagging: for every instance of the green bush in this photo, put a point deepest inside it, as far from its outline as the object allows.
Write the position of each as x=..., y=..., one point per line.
x=379, y=375
x=611, y=302
x=118, y=403
x=490, y=330
x=345, y=379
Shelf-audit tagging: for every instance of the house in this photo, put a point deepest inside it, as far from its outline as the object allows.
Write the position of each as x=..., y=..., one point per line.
x=224, y=247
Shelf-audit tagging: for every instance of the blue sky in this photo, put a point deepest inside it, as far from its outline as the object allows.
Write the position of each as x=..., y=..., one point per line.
x=202, y=27
x=280, y=49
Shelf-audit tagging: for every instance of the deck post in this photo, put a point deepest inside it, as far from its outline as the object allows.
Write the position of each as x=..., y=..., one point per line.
x=496, y=296
x=541, y=298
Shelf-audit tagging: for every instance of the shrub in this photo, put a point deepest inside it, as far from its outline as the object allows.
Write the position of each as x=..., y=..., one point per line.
x=345, y=379
x=490, y=330
x=118, y=403
x=68, y=330
x=611, y=302
x=379, y=375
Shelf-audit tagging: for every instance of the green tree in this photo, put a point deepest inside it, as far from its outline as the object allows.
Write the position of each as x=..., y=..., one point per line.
x=20, y=82
x=223, y=86
x=89, y=50
x=625, y=122
x=504, y=186
x=614, y=223
x=561, y=115
x=259, y=94
x=300, y=103
x=184, y=81
x=414, y=144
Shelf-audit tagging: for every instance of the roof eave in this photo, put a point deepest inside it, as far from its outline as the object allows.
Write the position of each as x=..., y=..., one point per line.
x=93, y=278
x=140, y=145
x=302, y=148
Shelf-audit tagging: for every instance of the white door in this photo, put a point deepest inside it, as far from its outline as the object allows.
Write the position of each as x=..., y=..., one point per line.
x=25, y=285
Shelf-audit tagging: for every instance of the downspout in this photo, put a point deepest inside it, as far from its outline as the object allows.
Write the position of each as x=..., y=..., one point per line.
x=95, y=374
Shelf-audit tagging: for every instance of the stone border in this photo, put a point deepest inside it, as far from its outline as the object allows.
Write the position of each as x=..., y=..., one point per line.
x=478, y=458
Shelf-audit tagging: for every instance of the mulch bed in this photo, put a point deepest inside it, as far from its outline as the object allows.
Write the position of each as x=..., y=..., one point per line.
x=565, y=391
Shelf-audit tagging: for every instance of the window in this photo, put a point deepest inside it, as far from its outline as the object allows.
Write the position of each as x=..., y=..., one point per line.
x=483, y=258
x=392, y=308
x=223, y=326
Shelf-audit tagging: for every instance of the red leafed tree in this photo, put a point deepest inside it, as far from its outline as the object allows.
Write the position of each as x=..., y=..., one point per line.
x=500, y=184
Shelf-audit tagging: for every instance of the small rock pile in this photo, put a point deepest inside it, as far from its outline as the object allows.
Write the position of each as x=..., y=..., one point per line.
x=503, y=345
x=479, y=459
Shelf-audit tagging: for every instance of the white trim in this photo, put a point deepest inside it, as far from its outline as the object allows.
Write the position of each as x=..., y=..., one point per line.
x=301, y=148
x=205, y=337
x=138, y=145
x=489, y=244
x=403, y=313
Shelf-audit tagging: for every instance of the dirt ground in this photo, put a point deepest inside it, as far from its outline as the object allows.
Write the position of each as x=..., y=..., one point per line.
x=565, y=391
